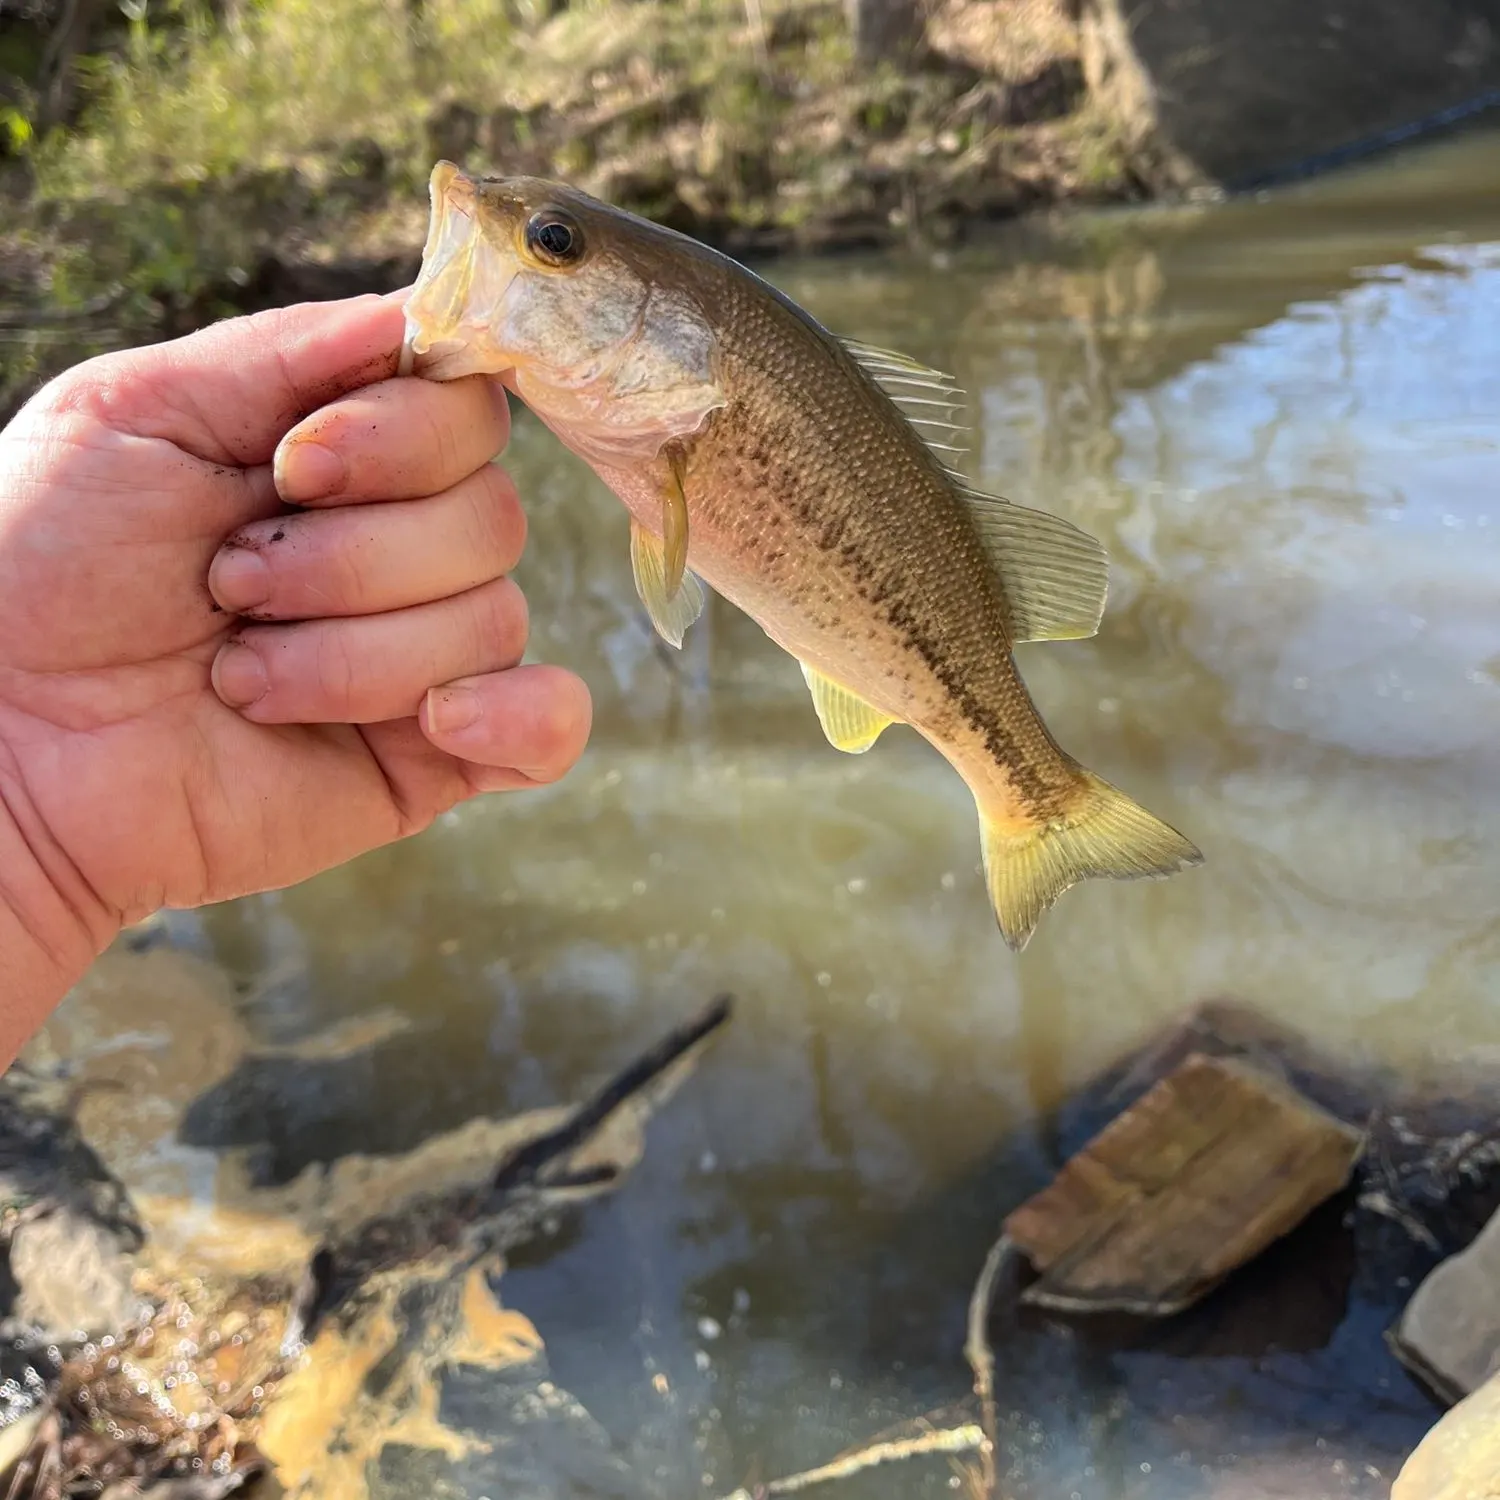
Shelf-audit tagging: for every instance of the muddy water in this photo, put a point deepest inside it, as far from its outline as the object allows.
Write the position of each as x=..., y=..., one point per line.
x=1284, y=420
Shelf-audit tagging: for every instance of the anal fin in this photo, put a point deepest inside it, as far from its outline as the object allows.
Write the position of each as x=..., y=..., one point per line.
x=671, y=611
x=850, y=723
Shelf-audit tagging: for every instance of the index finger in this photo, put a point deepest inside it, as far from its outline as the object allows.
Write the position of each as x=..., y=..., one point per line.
x=228, y=392
x=398, y=440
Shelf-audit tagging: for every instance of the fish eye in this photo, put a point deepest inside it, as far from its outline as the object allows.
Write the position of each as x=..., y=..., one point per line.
x=554, y=237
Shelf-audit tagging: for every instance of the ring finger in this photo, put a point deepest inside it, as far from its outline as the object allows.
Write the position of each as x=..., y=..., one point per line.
x=373, y=667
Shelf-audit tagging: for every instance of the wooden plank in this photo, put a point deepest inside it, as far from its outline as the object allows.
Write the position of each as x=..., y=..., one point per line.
x=1212, y=1165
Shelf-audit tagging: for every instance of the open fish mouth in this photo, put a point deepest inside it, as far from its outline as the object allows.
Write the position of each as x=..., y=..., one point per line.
x=459, y=289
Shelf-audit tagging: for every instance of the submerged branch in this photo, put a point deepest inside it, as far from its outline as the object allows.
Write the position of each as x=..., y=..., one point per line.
x=639, y=1078
x=981, y=1356
x=962, y=1437
x=529, y=1182
x=944, y=1440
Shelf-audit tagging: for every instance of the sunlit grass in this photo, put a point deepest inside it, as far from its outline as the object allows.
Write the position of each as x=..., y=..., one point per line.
x=285, y=131
x=204, y=141
x=285, y=85
x=289, y=84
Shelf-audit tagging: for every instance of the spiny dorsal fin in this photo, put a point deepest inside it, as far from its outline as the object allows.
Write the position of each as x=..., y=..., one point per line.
x=850, y=723
x=1055, y=576
x=929, y=399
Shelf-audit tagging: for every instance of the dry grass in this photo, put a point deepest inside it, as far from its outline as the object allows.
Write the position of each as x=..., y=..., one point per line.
x=1009, y=39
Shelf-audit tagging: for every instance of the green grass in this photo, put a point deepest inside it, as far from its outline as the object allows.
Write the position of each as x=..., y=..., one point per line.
x=204, y=144
x=283, y=88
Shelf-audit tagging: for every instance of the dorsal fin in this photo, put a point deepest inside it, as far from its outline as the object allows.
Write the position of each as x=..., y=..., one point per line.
x=1055, y=576
x=929, y=399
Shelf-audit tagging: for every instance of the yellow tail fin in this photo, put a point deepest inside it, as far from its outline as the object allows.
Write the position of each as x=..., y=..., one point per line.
x=1104, y=834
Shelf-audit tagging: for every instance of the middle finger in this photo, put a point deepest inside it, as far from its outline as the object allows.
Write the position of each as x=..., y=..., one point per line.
x=374, y=667
x=366, y=559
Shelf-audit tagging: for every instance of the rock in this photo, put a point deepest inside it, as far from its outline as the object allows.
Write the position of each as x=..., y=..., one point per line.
x=1228, y=93
x=1460, y=1458
x=1211, y=1166
x=1449, y=1335
x=73, y=1275
x=68, y=1230
x=142, y=1035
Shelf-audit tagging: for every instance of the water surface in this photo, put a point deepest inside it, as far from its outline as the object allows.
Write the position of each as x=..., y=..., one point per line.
x=1283, y=418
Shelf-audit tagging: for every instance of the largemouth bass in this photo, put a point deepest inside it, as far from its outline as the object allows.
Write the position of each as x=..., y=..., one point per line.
x=797, y=474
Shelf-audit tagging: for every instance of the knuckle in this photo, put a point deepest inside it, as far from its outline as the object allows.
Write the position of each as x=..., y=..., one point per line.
x=503, y=622
x=343, y=574
x=104, y=389
x=443, y=442
x=559, y=731
x=335, y=673
x=499, y=522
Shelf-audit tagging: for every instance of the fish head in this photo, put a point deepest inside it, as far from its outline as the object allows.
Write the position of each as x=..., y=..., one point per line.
x=577, y=306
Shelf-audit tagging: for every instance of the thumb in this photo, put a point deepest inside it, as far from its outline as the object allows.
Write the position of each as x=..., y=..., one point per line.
x=230, y=391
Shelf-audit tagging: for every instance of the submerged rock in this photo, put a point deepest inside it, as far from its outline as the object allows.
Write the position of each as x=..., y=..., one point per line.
x=71, y=1230
x=1460, y=1457
x=1449, y=1335
x=1278, y=1383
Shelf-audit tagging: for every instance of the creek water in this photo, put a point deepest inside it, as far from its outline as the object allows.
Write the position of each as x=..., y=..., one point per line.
x=1282, y=416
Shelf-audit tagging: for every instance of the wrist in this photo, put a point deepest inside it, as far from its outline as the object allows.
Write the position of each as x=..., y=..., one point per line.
x=47, y=940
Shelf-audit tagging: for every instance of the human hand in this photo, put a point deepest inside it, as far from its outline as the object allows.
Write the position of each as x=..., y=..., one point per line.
x=157, y=748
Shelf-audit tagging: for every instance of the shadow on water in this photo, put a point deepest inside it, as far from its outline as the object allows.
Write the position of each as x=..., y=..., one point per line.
x=1280, y=417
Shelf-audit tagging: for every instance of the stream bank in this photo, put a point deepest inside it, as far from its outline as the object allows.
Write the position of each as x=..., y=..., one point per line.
x=167, y=171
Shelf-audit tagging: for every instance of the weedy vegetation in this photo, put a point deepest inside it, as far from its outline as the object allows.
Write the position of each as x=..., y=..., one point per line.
x=214, y=137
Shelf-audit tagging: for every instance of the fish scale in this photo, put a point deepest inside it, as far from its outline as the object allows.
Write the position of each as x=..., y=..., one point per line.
x=787, y=469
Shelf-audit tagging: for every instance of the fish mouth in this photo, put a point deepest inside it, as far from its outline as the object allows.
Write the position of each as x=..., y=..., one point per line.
x=459, y=289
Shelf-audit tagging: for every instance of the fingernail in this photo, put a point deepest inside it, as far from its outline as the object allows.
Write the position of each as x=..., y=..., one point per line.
x=239, y=676
x=239, y=578
x=306, y=470
x=450, y=709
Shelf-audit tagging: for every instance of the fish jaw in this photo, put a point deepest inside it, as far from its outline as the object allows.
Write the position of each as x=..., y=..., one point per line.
x=462, y=283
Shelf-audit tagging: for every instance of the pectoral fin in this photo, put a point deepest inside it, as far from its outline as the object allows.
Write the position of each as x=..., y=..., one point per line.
x=674, y=527
x=849, y=722
x=671, y=610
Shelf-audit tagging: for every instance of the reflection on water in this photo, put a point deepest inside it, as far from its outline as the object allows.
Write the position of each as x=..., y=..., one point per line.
x=1281, y=418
